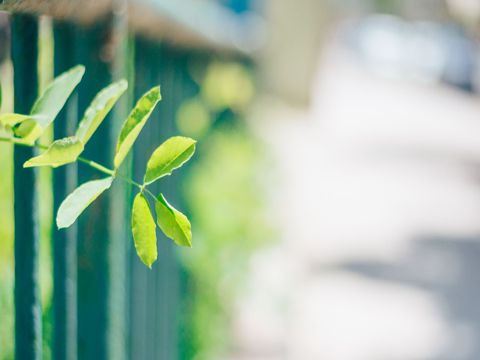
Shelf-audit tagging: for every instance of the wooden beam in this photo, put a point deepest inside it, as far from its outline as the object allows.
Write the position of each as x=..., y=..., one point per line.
x=175, y=22
x=83, y=11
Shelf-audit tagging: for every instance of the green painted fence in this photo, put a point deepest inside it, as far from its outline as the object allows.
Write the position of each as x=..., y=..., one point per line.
x=106, y=304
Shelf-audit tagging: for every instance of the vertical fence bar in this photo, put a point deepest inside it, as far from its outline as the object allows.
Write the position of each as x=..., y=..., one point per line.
x=65, y=241
x=102, y=234
x=167, y=286
x=93, y=229
x=139, y=306
x=120, y=231
x=155, y=294
x=28, y=314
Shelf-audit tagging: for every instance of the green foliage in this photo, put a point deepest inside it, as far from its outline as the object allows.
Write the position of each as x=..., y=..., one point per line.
x=225, y=192
x=143, y=227
x=173, y=223
x=26, y=129
x=9, y=120
x=135, y=123
x=79, y=200
x=169, y=156
x=48, y=105
x=60, y=152
x=99, y=109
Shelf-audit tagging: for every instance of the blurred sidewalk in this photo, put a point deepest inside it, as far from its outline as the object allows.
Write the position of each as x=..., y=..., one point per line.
x=378, y=206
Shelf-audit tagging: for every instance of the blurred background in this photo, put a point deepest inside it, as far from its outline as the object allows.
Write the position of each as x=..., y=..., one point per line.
x=334, y=197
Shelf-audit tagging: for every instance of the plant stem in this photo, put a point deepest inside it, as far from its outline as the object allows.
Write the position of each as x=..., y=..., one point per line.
x=138, y=185
x=88, y=162
x=96, y=166
x=150, y=193
x=128, y=180
x=20, y=143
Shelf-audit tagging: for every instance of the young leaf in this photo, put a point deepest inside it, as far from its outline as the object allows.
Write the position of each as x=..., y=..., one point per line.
x=169, y=156
x=99, y=108
x=10, y=119
x=48, y=105
x=173, y=223
x=29, y=130
x=143, y=229
x=133, y=125
x=79, y=200
x=61, y=152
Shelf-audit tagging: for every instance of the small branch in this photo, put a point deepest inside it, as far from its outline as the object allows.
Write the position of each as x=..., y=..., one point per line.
x=97, y=166
x=21, y=143
x=141, y=187
x=88, y=162
x=149, y=193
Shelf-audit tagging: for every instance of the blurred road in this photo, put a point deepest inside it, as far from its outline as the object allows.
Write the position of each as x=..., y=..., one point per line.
x=378, y=204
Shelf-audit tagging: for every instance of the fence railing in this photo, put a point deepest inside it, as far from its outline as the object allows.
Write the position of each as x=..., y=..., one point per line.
x=106, y=304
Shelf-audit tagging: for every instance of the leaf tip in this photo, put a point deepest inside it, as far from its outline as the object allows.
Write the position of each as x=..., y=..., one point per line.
x=80, y=68
x=61, y=225
x=156, y=92
x=150, y=264
x=123, y=83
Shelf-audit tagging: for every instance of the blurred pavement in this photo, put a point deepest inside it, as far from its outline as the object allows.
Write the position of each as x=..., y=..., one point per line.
x=378, y=205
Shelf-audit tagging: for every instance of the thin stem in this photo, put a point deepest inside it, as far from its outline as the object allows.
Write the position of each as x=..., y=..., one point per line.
x=88, y=162
x=130, y=181
x=149, y=193
x=21, y=143
x=141, y=187
x=96, y=166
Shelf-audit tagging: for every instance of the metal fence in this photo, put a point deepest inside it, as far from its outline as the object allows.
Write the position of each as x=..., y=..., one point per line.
x=107, y=305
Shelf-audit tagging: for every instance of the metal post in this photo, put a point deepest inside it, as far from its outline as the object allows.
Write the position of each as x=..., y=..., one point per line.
x=102, y=230
x=64, y=241
x=155, y=294
x=28, y=314
x=93, y=230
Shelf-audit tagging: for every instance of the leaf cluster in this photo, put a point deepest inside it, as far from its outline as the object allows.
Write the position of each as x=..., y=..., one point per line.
x=26, y=129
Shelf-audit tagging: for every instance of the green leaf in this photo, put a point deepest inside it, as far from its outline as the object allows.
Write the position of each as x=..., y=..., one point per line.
x=169, y=156
x=48, y=105
x=173, y=223
x=143, y=229
x=11, y=119
x=99, y=109
x=61, y=152
x=79, y=200
x=133, y=125
x=28, y=131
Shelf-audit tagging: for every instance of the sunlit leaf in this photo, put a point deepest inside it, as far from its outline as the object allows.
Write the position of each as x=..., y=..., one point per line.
x=48, y=105
x=61, y=152
x=169, y=156
x=28, y=131
x=143, y=229
x=173, y=223
x=134, y=123
x=11, y=119
x=79, y=200
x=99, y=109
